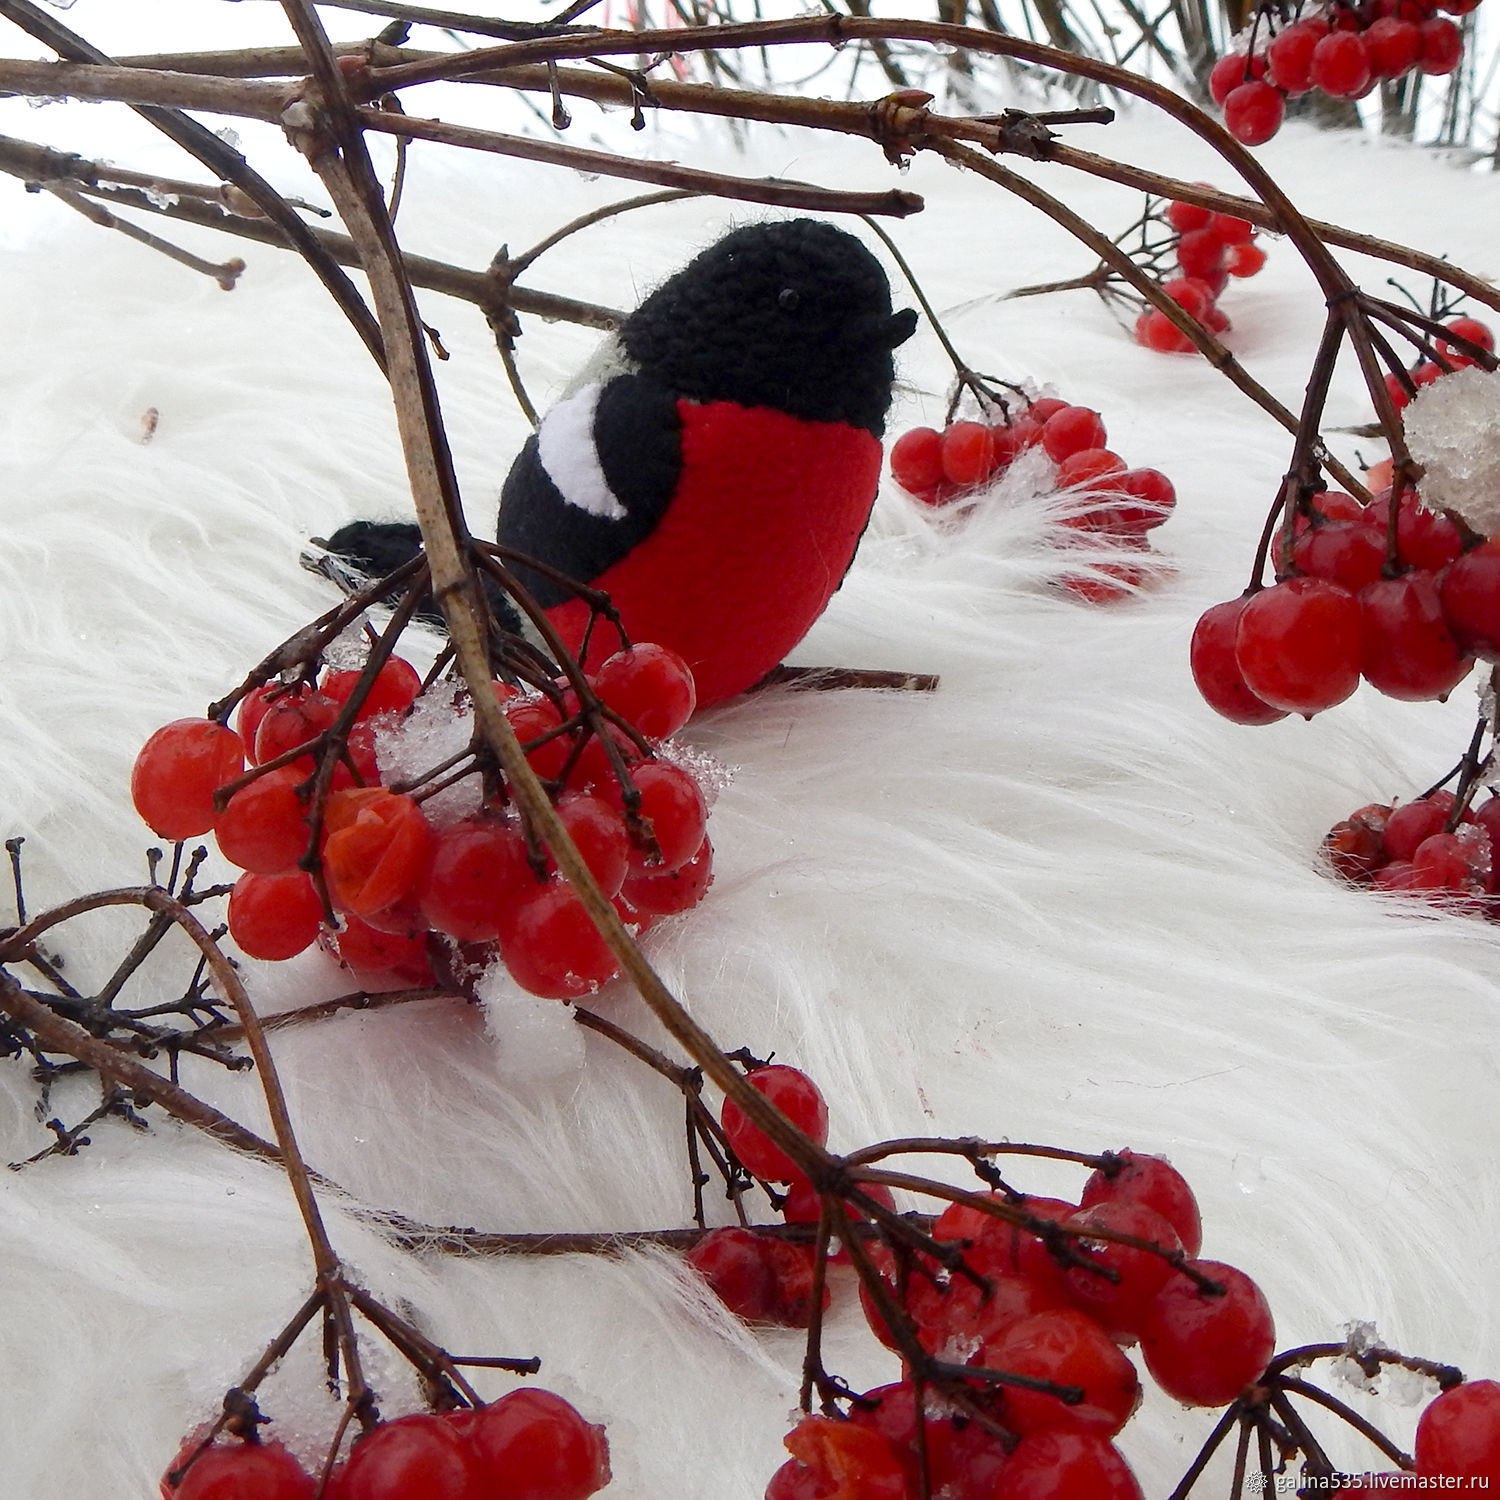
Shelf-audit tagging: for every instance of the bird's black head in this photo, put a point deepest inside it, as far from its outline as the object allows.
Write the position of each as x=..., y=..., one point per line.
x=794, y=315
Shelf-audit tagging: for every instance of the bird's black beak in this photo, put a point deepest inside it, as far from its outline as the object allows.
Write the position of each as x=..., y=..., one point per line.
x=881, y=330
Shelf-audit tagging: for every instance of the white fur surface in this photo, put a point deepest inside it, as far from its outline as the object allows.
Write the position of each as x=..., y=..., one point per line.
x=1057, y=900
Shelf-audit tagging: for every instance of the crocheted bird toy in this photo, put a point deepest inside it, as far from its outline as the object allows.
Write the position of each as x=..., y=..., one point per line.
x=714, y=466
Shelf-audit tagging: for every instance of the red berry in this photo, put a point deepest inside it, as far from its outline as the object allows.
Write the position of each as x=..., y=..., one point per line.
x=673, y=810
x=1356, y=847
x=1205, y=1349
x=552, y=948
x=649, y=686
x=1244, y=260
x=1154, y=330
x=241, y=1471
x=1070, y=431
x=969, y=453
x=667, y=892
x=1289, y=55
x=1186, y=217
x=1043, y=409
x=1231, y=230
x=478, y=871
x=253, y=708
x=1299, y=644
x=177, y=773
x=1460, y=862
x=756, y=1276
x=1067, y=1348
x=1216, y=668
x=1138, y=1275
x=1409, y=652
x=1413, y=822
x=1393, y=45
x=1341, y=65
x=1200, y=253
x=1470, y=591
x=1087, y=465
x=1231, y=71
x=291, y=721
x=375, y=849
x=533, y=1445
x=420, y=1457
x=274, y=916
x=393, y=691
x=798, y=1098
x=848, y=1459
x=1154, y=1181
x=1066, y=1466
x=597, y=828
x=1146, y=498
x=536, y=723
x=1472, y=331
x=370, y=952
x=263, y=827
x=1458, y=1435
x=917, y=460
x=1441, y=48
x=1350, y=554
x=1253, y=112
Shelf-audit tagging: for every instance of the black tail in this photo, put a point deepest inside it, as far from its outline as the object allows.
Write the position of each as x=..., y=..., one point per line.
x=375, y=548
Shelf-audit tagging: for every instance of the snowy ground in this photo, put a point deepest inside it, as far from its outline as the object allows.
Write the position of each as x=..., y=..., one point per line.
x=1058, y=900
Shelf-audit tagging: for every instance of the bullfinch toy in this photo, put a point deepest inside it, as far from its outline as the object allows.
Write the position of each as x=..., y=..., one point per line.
x=714, y=466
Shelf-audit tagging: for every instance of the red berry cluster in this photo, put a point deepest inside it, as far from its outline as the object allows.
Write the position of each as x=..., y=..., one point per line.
x=1405, y=601
x=1345, y=52
x=939, y=467
x=1022, y=1304
x=528, y=1445
x=1412, y=848
x=1211, y=247
x=393, y=876
x=1450, y=356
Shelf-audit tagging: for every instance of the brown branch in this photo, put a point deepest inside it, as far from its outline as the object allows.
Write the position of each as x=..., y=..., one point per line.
x=781, y=194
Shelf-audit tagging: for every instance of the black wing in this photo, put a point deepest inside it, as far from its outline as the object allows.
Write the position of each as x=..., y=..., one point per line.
x=592, y=485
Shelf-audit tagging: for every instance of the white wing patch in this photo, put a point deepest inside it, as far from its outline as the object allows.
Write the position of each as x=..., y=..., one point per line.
x=565, y=445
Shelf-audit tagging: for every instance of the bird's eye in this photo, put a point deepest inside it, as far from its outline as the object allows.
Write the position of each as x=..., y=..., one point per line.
x=787, y=299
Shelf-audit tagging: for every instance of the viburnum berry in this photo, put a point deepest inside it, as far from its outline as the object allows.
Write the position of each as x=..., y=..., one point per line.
x=1458, y=1435
x=672, y=801
x=1136, y=1177
x=1441, y=46
x=1057, y=1465
x=1348, y=553
x=1393, y=45
x=1244, y=260
x=1409, y=652
x=177, y=772
x=798, y=1098
x=552, y=948
x=758, y=1277
x=1117, y=1283
x=1289, y=55
x=1065, y=1347
x=917, y=461
x=394, y=689
x=1299, y=644
x=1469, y=589
x=1412, y=822
x=263, y=827
x=969, y=454
x=1202, y=1348
x=476, y=872
x=239, y=1471
x=1216, y=669
x=370, y=952
x=1071, y=430
x=420, y=1457
x=650, y=687
x=849, y=1459
x=1341, y=65
x=664, y=893
x=1472, y=331
x=598, y=830
x=1459, y=863
x=1146, y=499
x=1232, y=70
x=533, y=1445
x=1185, y=217
x=1154, y=330
x=1200, y=253
x=1424, y=538
x=274, y=916
x=290, y=721
x=536, y=722
x=1356, y=847
x=1087, y=465
x=375, y=849
x=1253, y=112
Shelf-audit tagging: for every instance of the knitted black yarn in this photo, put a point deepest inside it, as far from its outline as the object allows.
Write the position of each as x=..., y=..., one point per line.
x=794, y=314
